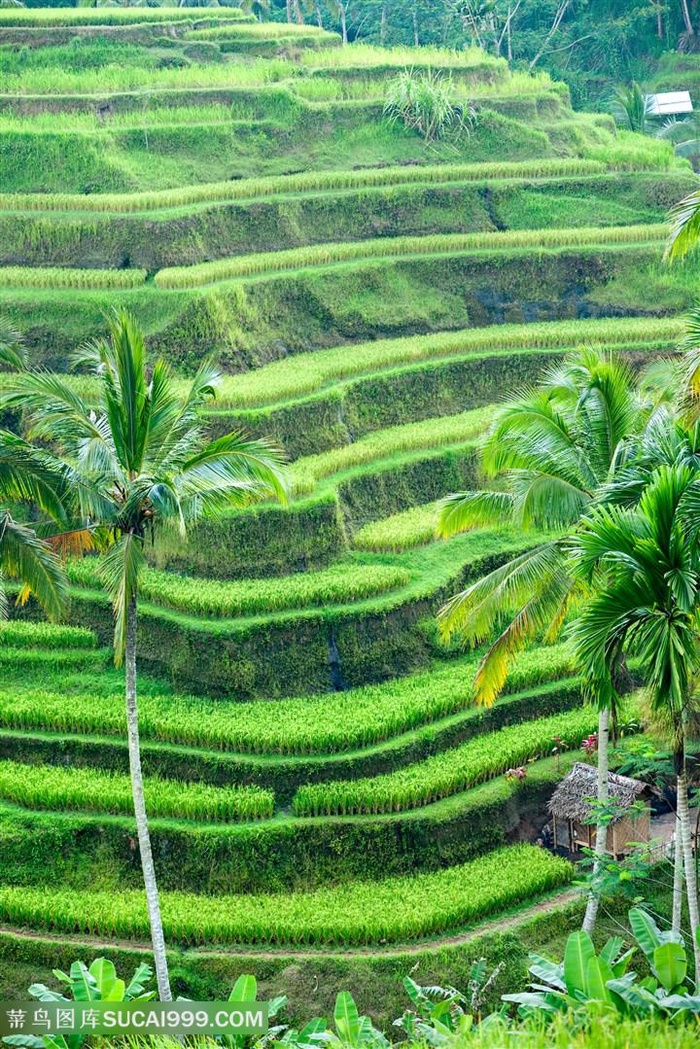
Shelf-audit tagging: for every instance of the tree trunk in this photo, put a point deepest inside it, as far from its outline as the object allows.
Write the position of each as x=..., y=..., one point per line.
x=344, y=22
x=686, y=18
x=691, y=882
x=601, y=834
x=382, y=26
x=416, y=41
x=289, y=10
x=319, y=15
x=677, y=881
x=149, y=874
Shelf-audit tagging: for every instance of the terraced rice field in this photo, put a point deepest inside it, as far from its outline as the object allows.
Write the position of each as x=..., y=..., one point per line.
x=317, y=772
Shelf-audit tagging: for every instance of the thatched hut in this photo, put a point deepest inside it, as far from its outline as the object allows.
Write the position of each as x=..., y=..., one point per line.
x=571, y=806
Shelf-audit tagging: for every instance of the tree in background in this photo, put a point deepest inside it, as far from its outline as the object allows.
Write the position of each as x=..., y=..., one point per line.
x=137, y=461
x=554, y=449
x=646, y=604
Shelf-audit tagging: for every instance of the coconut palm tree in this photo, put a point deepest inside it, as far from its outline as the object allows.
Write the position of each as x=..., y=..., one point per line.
x=556, y=448
x=138, y=461
x=647, y=559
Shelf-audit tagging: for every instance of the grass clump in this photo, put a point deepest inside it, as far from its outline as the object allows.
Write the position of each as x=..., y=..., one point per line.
x=53, y=788
x=358, y=913
x=425, y=102
x=209, y=597
x=448, y=773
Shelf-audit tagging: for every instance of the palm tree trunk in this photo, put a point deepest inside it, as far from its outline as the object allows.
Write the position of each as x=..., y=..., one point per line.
x=601, y=834
x=691, y=882
x=149, y=874
x=677, y=881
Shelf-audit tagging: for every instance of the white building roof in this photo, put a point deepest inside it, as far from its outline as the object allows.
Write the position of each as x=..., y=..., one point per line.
x=669, y=103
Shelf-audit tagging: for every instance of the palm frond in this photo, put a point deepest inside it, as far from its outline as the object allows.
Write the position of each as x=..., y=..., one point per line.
x=544, y=612
x=120, y=569
x=473, y=613
x=685, y=227
x=25, y=558
x=13, y=351
x=463, y=510
x=32, y=476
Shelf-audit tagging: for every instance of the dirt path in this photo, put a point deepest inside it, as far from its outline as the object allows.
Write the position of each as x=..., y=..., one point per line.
x=496, y=925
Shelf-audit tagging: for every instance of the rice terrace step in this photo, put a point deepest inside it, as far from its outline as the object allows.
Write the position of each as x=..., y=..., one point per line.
x=331, y=806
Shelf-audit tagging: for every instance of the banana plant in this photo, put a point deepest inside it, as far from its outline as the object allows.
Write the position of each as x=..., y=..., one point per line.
x=98, y=983
x=245, y=989
x=352, y=1031
x=581, y=978
x=586, y=979
x=441, y=1013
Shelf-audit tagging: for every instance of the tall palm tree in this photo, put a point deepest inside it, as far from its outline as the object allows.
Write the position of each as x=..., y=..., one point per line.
x=648, y=562
x=556, y=448
x=138, y=461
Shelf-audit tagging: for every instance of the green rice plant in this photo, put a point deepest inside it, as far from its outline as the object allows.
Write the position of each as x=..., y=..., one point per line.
x=58, y=789
x=244, y=266
x=316, y=724
x=119, y=78
x=275, y=31
x=306, y=182
x=209, y=597
x=31, y=660
x=413, y=527
x=383, y=444
x=306, y=373
x=20, y=634
x=371, y=912
x=127, y=120
x=72, y=16
x=447, y=773
x=60, y=277
x=366, y=56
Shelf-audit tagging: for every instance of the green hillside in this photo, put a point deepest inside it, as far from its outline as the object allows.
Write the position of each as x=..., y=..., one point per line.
x=328, y=804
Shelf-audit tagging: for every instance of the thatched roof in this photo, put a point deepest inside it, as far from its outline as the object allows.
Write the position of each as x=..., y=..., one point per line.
x=569, y=801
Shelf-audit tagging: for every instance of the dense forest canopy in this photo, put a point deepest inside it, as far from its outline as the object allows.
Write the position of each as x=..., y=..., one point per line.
x=592, y=44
